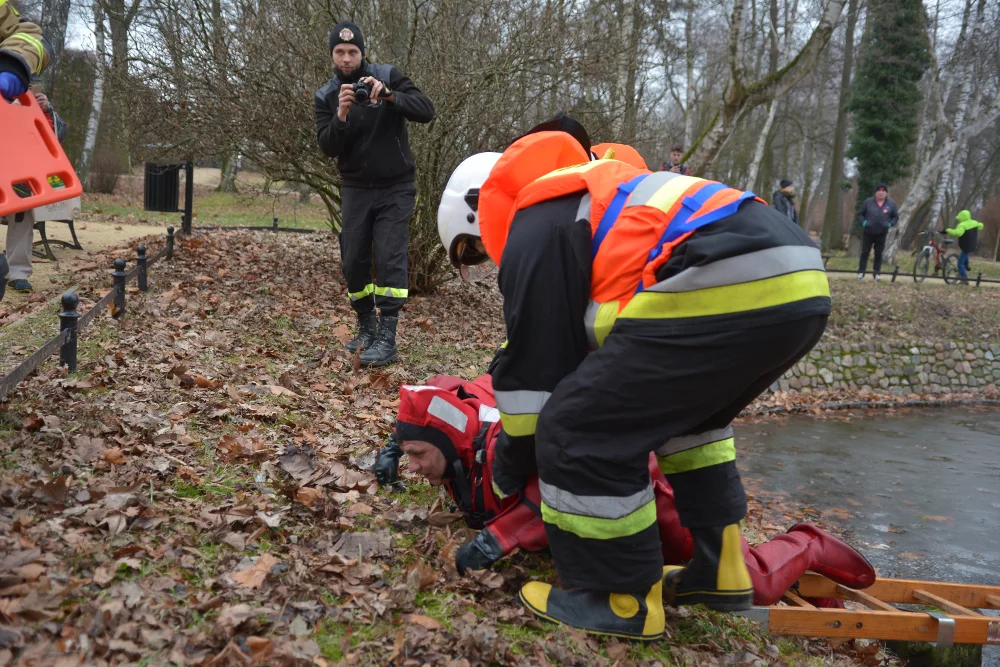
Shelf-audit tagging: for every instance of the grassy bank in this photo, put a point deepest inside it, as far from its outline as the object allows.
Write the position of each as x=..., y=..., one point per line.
x=198, y=490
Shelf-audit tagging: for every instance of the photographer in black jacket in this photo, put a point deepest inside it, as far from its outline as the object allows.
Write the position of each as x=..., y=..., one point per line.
x=361, y=116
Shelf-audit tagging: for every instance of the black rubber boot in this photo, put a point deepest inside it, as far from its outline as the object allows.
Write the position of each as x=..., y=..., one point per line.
x=383, y=350
x=716, y=576
x=366, y=333
x=629, y=615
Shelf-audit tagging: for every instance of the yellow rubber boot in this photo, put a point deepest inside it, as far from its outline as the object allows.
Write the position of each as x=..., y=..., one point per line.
x=637, y=616
x=716, y=577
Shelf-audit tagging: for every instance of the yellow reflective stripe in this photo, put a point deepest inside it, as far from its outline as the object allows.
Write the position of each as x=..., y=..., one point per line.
x=35, y=42
x=667, y=195
x=598, y=321
x=585, y=166
x=496, y=491
x=727, y=299
x=504, y=346
x=711, y=454
x=685, y=442
x=369, y=288
x=519, y=425
x=592, y=528
x=400, y=292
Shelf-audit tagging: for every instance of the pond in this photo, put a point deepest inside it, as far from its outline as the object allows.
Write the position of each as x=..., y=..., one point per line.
x=918, y=493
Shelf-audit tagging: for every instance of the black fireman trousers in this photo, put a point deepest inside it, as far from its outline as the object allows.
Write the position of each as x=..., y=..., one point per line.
x=376, y=221
x=645, y=390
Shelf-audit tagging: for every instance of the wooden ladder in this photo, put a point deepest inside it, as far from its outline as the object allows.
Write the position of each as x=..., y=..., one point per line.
x=953, y=621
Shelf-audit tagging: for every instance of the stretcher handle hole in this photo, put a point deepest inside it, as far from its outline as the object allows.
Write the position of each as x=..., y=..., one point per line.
x=46, y=134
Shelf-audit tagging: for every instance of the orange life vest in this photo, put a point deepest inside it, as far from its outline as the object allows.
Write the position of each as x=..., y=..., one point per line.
x=637, y=217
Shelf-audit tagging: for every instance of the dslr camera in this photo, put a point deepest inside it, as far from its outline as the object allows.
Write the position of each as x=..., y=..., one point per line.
x=362, y=91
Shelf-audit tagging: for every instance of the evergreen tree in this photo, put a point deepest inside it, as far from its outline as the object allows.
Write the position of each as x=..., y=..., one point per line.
x=885, y=94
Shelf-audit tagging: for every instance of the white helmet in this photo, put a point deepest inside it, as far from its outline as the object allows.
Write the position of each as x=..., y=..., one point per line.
x=458, y=214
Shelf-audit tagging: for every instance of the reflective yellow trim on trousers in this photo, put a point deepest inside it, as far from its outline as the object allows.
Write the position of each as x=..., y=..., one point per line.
x=518, y=426
x=400, y=292
x=592, y=528
x=369, y=288
x=728, y=299
x=711, y=454
x=35, y=42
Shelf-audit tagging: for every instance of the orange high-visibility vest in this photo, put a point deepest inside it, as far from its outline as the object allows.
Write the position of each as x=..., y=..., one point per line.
x=637, y=217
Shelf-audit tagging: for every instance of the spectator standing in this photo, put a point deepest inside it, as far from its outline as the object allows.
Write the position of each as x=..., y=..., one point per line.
x=877, y=215
x=365, y=130
x=783, y=200
x=676, y=166
x=967, y=232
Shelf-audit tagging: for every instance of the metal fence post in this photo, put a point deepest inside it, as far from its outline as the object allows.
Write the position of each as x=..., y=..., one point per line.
x=67, y=320
x=188, y=198
x=140, y=260
x=274, y=224
x=119, y=276
x=895, y=273
x=170, y=243
x=979, y=278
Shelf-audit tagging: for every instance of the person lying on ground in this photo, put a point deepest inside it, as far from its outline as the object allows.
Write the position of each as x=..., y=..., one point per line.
x=449, y=429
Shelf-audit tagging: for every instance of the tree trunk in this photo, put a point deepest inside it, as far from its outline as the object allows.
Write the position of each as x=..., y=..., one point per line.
x=740, y=98
x=939, y=167
x=758, y=153
x=55, y=17
x=97, y=99
x=227, y=177
x=833, y=233
x=690, y=113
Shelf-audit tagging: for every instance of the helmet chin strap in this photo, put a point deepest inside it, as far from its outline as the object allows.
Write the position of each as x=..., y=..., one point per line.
x=460, y=482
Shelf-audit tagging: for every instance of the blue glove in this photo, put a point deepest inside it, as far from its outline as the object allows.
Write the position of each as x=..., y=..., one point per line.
x=11, y=86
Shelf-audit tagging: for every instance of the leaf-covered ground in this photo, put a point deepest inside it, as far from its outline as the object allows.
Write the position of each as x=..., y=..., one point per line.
x=198, y=493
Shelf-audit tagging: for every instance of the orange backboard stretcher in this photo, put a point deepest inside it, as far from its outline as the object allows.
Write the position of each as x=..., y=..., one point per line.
x=30, y=155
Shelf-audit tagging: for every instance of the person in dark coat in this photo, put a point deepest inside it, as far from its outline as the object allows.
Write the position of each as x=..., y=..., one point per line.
x=877, y=216
x=783, y=200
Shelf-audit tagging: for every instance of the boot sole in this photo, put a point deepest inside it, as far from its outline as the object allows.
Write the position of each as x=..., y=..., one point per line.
x=381, y=362
x=645, y=639
x=727, y=602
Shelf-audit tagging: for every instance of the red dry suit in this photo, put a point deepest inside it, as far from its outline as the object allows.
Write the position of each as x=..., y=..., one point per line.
x=460, y=418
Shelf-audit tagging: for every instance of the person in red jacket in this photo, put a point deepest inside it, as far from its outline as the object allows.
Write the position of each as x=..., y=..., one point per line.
x=449, y=427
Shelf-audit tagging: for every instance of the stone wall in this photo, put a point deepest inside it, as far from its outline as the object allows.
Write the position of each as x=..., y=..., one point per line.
x=899, y=368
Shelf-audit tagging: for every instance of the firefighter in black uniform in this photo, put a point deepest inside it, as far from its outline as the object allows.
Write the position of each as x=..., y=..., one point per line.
x=364, y=127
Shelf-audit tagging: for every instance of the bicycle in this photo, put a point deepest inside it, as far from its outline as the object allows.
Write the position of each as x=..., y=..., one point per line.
x=944, y=263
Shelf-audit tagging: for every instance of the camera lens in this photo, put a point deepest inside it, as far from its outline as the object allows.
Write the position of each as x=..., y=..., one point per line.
x=361, y=92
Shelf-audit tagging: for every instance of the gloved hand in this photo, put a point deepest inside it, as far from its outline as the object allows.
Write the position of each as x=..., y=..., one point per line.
x=11, y=86
x=478, y=554
x=387, y=463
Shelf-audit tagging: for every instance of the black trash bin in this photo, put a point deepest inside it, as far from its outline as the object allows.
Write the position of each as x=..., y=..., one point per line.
x=162, y=190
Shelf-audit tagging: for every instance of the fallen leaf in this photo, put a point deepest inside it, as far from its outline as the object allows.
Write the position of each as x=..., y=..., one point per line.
x=115, y=456
x=232, y=616
x=308, y=496
x=103, y=576
x=33, y=422
x=616, y=650
x=908, y=555
x=30, y=572
x=936, y=518
x=261, y=648
x=423, y=621
x=296, y=464
x=236, y=540
x=254, y=576
x=442, y=519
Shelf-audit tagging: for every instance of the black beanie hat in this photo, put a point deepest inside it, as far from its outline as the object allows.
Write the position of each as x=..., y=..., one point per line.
x=881, y=186
x=562, y=122
x=784, y=183
x=346, y=32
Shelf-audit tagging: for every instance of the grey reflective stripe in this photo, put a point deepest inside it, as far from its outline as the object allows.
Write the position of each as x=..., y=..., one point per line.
x=744, y=268
x=488, y=414
x=521, y=402
x=448, y=413
x=685, y=442
x=583, y=211
x=589, y=318
x=649, y=186
x=601, y=507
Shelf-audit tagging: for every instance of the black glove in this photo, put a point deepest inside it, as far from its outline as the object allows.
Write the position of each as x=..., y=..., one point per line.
x=478, y=554
x=387, y=463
